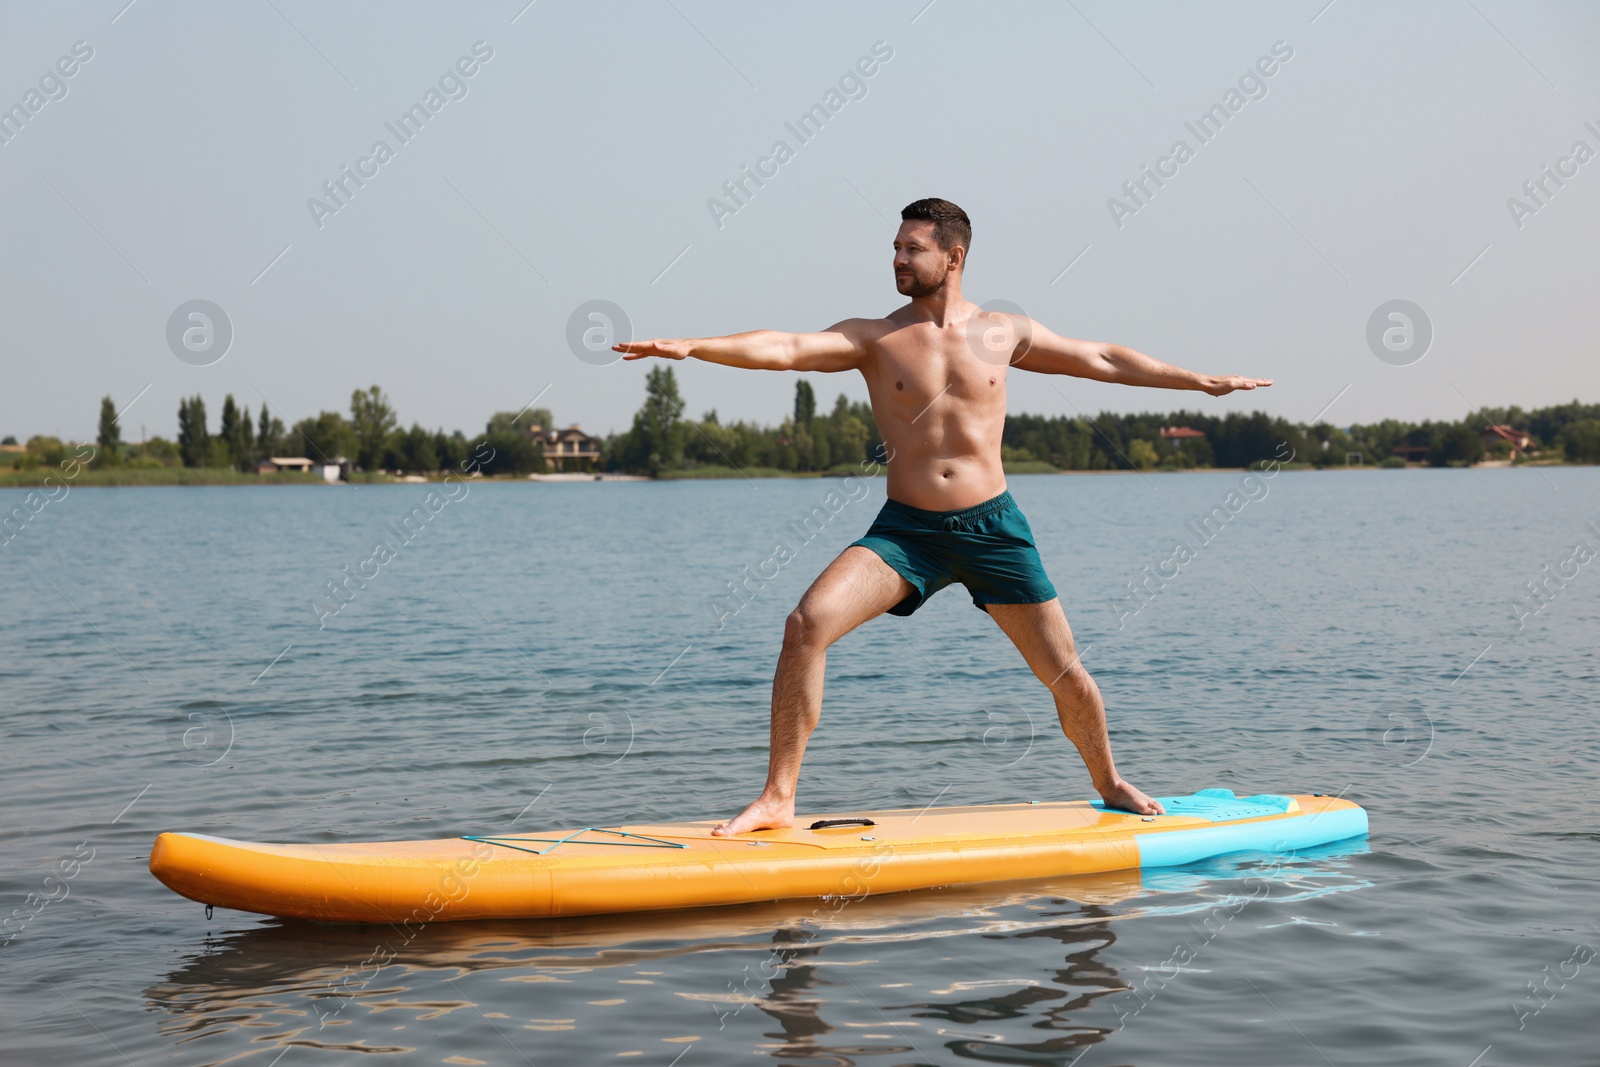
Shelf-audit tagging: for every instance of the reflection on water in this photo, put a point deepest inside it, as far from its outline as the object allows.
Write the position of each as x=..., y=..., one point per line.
x=810, y=976
x=1078, y=983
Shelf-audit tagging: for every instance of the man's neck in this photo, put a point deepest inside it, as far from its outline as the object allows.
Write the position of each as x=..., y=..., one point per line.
x=940, y=306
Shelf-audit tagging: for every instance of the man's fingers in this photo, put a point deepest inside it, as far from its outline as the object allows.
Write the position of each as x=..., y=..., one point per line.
x=642, y=349
x=636, y=349
x=1236, y=383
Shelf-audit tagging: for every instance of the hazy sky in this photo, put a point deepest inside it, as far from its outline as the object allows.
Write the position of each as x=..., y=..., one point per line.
x=577, y=159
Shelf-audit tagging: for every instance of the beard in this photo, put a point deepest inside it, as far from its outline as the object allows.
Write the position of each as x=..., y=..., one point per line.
x=914, y=284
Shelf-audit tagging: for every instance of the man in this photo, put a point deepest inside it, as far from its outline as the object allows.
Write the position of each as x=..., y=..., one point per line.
x=936, y=373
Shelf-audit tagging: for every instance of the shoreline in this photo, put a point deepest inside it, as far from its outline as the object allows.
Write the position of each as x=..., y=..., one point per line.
x=206, y=478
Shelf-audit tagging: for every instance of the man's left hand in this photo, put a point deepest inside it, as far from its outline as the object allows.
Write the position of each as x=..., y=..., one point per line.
x=1227, y=383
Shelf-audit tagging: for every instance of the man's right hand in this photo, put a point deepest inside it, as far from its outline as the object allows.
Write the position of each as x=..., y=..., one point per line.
x=666, y=348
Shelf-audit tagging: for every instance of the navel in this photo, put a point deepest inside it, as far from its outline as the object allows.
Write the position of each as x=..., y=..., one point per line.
x=991, y=381
x=899, y=385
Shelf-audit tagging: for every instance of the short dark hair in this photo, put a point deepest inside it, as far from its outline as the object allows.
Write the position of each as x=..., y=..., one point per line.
x=951, y=226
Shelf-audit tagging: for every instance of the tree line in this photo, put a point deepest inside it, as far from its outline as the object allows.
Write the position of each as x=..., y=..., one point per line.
x=661, y=441
x=1565, y=432
x=370, y=438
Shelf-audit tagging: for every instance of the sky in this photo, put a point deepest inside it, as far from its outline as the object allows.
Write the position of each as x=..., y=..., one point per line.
x=1370, y=152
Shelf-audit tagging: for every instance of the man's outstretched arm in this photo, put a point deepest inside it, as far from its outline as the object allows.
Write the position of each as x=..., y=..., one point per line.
x=1048, y=353
x=841, y=346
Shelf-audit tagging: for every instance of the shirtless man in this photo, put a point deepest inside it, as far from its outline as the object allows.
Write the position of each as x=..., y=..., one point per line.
x=936, y=374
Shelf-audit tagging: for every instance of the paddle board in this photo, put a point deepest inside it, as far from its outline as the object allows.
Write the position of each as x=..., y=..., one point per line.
x=848, y=855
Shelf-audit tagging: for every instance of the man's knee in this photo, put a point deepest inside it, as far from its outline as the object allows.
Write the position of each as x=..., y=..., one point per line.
x=1062, y=672
x=802, y=630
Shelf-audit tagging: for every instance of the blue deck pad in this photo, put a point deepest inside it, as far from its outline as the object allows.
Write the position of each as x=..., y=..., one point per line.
x=1220, y=805
x=1222, y=808
x=1287, y=836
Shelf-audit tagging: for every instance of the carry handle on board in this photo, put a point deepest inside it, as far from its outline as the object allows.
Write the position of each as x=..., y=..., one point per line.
x=828, y=824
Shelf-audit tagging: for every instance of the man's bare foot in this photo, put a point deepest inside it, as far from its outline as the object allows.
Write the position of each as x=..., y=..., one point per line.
x=1125, y=797
x=764, y=814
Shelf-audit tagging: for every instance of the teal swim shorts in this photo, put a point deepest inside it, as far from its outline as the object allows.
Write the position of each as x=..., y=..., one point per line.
x=988, y=548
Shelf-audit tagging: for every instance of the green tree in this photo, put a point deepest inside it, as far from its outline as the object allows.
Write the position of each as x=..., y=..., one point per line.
x=840, y=431
x=1455, y=445
x=801, y=443
x=269, y=435
x=373, y=420
x=849, y=440
x=414, y=451
x=45, y=450
x=821, y=447
x=784, y=454
x=515, y=450
x=324, y=439
x=452, y=449
x=228, y=429
x=805, y=405
x=540, y=417
x=1142, y=454
x=218, y=455
x=711, y=444
x=110, y=436
x=160, y=452
x=194, y=440
x=1580, y=441
x=520, y=421
x=656, y=441
x=236, y=433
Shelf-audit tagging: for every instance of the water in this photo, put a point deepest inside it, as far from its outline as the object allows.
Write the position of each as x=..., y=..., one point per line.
x=549, y=655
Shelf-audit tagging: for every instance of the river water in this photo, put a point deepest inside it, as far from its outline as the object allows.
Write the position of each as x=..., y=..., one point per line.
x=554, y=655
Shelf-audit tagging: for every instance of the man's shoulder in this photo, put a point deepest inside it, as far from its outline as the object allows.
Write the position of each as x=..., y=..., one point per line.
x=866, y=331
x=868, y=323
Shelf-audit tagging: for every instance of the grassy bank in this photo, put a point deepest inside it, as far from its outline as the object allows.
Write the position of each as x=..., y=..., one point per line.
x=98, y=476
x=729, y=472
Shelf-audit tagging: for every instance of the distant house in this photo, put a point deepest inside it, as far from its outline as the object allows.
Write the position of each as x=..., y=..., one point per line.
x=1177, y=435
x=1412, y=453
x=562, y=447
x=282, y=463
x=1519, y=440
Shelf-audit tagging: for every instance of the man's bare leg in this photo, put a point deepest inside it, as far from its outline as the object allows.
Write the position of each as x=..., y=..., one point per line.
x=856, y=587
x=1041, y=634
